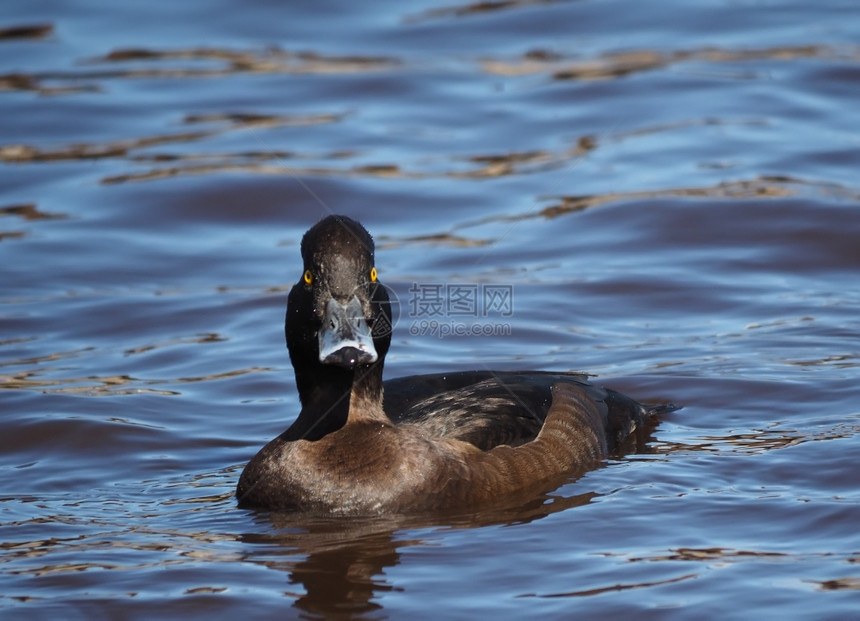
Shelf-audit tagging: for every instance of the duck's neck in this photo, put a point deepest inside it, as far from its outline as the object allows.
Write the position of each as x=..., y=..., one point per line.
x=332, y=396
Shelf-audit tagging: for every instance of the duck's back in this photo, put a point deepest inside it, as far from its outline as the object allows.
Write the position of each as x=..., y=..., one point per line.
x=491, y=408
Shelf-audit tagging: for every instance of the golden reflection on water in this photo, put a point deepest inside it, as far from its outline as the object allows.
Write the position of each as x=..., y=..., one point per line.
x=203, y=63
x=27, y=31
x=29, y=211
x=25, y=211
x=756, y=441
x=840, y=584
x=472, y=8
x=619, y=64
x=22, y=153
x=209, y=337
x=109, y=385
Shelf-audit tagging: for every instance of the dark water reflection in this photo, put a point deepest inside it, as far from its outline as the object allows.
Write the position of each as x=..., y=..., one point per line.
x=670, y=190
x=341, y=568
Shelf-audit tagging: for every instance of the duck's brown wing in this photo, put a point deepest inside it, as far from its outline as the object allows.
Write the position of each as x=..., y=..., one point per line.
x=488, y=408
x=571, y=440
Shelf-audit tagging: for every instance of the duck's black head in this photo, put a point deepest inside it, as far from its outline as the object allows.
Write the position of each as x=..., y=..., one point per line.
x=338, y=322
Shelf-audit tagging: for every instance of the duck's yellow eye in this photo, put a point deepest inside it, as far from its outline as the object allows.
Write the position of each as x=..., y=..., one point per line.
x=372, y=274
x=308, y=277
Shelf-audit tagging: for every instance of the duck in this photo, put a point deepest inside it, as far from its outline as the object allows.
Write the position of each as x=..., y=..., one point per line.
x=426, y=443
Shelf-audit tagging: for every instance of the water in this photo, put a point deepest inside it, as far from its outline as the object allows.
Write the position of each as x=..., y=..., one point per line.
x=670, y=191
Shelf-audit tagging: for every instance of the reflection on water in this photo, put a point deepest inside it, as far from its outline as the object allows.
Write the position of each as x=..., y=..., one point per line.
x=23, y=153
x=227, y=62
x=619, y=64
x=614, y=587
x=759, y=440
x=341, y=567
x=29, y=31
x=472, y=8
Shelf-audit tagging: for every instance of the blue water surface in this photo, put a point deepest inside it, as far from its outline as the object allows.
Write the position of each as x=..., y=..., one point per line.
x=668, y=190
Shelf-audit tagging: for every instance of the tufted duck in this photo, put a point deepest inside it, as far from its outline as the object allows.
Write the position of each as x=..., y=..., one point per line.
x=435, y=442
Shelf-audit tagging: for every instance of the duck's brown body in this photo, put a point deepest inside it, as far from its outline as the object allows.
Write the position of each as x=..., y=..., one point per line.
x=375, y=466
x=442, y=442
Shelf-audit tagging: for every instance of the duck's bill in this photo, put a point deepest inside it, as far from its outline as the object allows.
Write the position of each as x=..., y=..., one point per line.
x=345, y=339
